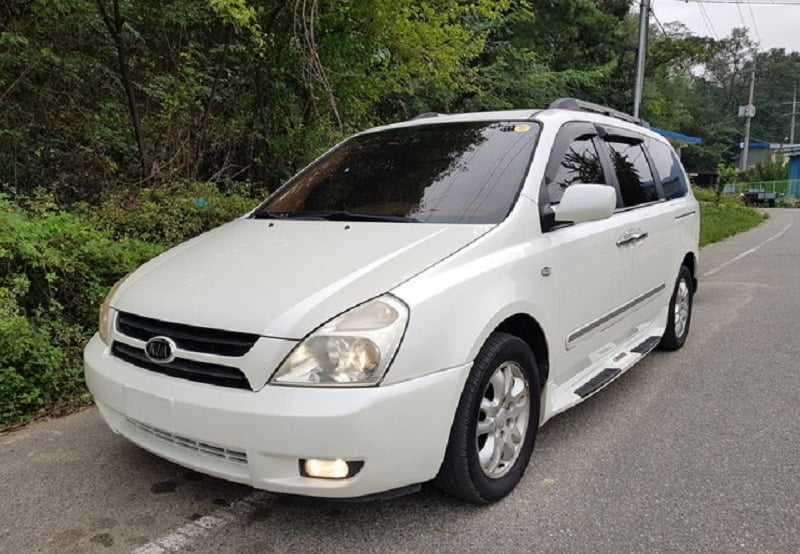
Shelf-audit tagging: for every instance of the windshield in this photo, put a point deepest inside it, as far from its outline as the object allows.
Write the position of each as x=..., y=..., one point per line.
x=436, y=173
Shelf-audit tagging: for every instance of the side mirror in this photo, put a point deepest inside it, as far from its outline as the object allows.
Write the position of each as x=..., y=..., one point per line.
x=582, y=203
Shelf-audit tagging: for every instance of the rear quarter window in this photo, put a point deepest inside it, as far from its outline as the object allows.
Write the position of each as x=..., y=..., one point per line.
x=636, y=183
x=668, y=168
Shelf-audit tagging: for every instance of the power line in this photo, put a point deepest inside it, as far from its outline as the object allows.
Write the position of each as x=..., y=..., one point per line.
x=710, y=26
x=707, y=20
x=744, y=23
x=658, y=22
x=741, y=15
x=753, y=17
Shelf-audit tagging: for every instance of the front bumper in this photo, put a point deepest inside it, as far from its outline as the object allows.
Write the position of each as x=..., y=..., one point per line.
x=399, y=431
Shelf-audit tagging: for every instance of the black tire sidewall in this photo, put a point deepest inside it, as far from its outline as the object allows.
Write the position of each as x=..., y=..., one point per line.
x=671, y=341
x=509, y=349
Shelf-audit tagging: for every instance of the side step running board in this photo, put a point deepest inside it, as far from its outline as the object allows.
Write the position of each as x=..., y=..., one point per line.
x=610, y=373
x=598, y=381
x=647, y=345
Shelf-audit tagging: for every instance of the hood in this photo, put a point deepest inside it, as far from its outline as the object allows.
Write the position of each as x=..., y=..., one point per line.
x=284, y=278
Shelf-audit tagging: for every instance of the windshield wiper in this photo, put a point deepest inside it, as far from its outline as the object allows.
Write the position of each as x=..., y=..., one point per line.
x=357, y=216
x=264, y=214
x=335, y=216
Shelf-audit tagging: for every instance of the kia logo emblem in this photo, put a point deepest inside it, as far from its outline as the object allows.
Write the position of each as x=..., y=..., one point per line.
x=160, y=350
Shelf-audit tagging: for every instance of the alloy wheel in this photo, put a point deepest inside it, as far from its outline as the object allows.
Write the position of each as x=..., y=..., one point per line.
x=681, y=315
x=503, y=419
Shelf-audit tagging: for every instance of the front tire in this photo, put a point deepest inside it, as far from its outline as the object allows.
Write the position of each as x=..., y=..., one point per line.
x=680, y=312
x=495, y=425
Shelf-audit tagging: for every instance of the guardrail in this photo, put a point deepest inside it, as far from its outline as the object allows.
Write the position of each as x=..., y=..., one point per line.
x=790, y=187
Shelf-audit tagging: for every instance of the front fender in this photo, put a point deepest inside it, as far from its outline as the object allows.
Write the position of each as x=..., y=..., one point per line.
x=455, y=305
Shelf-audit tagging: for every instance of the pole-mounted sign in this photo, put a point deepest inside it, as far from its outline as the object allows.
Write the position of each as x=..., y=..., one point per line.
x=747, y=111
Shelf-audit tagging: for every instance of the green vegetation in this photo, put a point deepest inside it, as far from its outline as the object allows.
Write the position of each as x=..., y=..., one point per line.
x=128, y=126
x=55, y=269
x=55, y=272
x=766, y=171
x=102, y=95
x=168, y=214
x=723, y=216
x=719, y=221
x=707, y=195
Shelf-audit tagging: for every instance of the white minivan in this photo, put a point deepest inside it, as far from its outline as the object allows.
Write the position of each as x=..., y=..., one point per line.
x=411, y=306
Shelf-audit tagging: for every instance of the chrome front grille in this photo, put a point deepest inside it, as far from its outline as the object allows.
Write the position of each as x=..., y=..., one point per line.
x=193, y=445
x=202, y=372
x=226, y=350
x=187, y=337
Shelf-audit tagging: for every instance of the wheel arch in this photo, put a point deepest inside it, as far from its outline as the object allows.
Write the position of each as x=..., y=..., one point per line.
x=526, y=328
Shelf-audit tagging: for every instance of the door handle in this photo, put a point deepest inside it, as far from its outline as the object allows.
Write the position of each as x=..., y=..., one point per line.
x=625, y=238
x=631, y=237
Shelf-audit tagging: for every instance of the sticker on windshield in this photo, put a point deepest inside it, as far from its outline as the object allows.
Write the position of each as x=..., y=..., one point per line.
x=522, y=128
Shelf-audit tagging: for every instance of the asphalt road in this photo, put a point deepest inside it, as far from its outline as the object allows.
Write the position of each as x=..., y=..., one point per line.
x=697, y=450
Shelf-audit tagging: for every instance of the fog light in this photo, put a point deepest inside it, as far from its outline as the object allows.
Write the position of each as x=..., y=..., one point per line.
x=329, y=469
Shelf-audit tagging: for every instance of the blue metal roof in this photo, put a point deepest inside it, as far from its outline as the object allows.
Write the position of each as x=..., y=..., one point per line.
x=677, y=136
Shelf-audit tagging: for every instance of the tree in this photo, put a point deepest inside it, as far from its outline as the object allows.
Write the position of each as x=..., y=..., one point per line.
x=115, y=24
x=776, y=77
x=214, y=89
x=106, y=94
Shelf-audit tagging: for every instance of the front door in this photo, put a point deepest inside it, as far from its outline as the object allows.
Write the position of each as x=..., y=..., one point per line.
x=591, y=262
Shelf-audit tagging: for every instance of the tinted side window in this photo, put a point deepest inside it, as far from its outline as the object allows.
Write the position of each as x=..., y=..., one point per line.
x=636, y=183
x=579, y=164
x=668, y=169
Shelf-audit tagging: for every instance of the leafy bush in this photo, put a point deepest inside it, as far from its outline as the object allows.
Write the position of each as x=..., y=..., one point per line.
x=56, y=267
x=29, y=363
x=767, y=170
x=704, y=194
x=169, y=214
x=718, y=221
x=54, y=272
x=726, y=175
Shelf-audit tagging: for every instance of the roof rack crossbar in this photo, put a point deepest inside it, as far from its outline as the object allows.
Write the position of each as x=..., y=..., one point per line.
x=582, y=105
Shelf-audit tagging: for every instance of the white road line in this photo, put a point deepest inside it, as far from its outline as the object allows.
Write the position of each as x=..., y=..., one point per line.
x=184, y=536
x=746, y=252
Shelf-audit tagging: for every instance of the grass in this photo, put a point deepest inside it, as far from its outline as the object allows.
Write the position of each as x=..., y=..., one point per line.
x=729, y=217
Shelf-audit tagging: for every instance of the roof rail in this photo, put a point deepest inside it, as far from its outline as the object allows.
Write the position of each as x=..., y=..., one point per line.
x=425, y=115
x=581, y=105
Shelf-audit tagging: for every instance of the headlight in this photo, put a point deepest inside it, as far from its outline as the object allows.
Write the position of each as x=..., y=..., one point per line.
x=352, y=349
x=104, y=324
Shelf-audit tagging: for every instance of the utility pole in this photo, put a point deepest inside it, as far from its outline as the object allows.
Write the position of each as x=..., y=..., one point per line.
x=793, y=114
x=748, y=113
x=644, y=21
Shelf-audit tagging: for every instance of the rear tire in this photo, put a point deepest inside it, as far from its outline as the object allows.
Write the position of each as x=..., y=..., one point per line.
x=495, y=425
x=680, y=312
